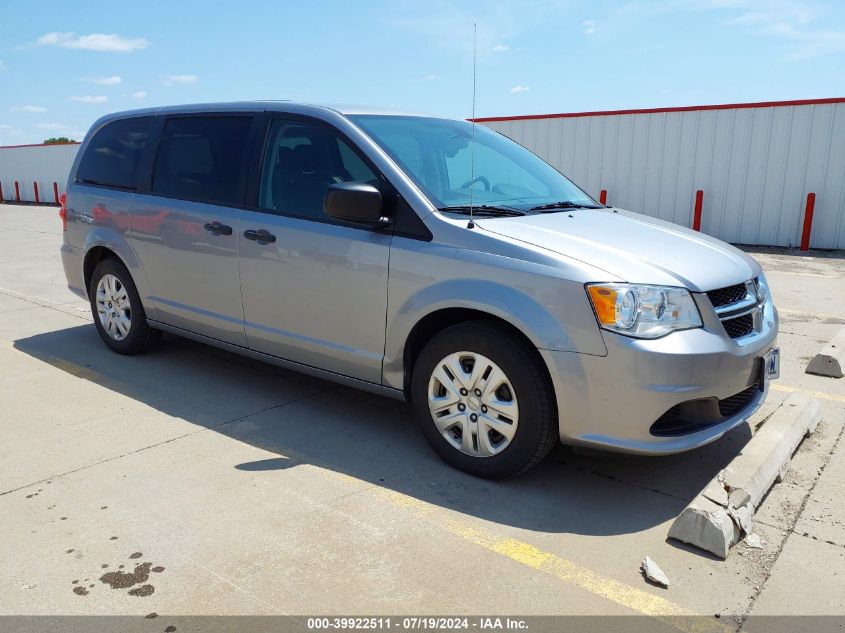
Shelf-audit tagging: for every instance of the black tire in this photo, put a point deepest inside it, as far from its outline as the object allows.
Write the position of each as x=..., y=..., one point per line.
x=537, y=429
x=141, y=336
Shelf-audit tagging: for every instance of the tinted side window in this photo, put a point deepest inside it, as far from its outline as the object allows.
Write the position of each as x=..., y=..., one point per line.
x=203, y=159
x=301, y=161
x=114, y=154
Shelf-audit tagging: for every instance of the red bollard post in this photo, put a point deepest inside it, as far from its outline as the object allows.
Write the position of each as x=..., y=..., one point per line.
x=808, y=221
x=56, y=192
x=603, y=196
x=1, y=192
x=35, y=189
x=17, y=192
x=696, y=218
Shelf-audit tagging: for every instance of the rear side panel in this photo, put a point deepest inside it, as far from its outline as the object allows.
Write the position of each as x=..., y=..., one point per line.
x=98, y=216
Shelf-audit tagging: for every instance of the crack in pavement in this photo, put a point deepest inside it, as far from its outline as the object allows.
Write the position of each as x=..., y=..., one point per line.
x=236, y=586
x=623, y=481
x=46, y=303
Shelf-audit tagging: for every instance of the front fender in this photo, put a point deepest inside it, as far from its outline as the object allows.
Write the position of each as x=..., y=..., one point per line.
x=540, y=311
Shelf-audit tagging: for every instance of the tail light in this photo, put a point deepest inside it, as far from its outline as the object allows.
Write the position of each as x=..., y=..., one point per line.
x=63, y=210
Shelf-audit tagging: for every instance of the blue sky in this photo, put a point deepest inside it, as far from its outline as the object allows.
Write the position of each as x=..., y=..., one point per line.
x=63, y=64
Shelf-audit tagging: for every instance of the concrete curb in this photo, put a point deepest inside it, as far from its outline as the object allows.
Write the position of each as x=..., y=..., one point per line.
x=724, y=511
x=831, y=359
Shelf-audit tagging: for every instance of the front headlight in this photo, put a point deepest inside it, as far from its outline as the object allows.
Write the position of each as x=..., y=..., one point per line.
x=643, y=311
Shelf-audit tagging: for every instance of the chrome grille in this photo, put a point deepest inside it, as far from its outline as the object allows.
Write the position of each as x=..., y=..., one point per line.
x=739, y=308
x=740, y=326
x=727, y=296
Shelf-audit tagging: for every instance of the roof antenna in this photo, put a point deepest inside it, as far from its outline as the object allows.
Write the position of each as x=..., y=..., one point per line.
x=471, y=224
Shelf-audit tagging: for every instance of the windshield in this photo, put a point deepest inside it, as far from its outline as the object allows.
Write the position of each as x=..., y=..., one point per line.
x=437, y=155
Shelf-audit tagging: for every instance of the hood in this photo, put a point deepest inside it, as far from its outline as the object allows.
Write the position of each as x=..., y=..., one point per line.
x=632, y=247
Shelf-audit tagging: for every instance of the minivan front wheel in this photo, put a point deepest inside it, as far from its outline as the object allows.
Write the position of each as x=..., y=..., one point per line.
x=116, y=307
x=484, y=401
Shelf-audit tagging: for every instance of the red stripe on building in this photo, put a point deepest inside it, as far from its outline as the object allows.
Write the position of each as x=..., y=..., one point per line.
x=696, y=108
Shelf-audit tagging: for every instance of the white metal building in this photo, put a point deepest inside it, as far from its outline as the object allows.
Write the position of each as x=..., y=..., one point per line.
x=754, y=162
x=30, y=164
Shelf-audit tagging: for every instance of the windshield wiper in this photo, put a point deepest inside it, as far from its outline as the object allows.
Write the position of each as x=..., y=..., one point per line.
x=566, y=204
x=482, y=209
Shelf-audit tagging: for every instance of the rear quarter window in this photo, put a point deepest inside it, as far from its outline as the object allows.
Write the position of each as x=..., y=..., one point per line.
x=203, y=159
x=114, y=154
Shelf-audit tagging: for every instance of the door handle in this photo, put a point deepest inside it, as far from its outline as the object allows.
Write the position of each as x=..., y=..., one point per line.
x=216, y=228
x=261, y=236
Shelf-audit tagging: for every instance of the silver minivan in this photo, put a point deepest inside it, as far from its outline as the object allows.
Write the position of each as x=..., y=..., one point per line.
x=424, y=259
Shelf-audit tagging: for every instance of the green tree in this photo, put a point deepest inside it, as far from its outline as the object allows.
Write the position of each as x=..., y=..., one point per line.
x=59, y=139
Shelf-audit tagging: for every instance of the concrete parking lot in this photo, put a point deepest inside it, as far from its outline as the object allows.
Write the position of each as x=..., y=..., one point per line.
x=218, y=485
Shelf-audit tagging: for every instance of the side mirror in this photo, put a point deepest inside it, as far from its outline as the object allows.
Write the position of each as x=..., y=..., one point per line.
x=355, y=202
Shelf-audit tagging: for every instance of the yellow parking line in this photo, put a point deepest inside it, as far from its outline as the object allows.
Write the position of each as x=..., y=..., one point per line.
x=635, y=599
x=821, y=395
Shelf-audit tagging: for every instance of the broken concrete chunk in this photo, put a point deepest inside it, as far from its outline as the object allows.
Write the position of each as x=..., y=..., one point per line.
x=705, y=525
x=738, y=498
x=743, y=517
x=652, y=571
x=754, y=540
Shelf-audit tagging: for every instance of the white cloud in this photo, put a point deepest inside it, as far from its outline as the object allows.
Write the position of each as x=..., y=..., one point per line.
x=89, y=99
x=114, y=80
x=519, y=88
x=3, y=65
x=426, y=78
x=6, y=127
x=28, y=108
x=501, y=48
x=180, y=80
x=51, y=126
x=801, y=24
x=112, y=43
x=589, y=27
x=140, y=94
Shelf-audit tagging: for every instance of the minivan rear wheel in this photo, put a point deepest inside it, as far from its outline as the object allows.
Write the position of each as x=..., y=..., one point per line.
x=116, y=307
x=484, y=401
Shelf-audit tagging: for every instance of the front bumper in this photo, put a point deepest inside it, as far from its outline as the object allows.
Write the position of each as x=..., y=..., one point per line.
x=611, y=401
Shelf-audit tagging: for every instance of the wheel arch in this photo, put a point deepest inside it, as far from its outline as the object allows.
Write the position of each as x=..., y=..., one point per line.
x=102, y=243
x=438, y=320
x=93, y=257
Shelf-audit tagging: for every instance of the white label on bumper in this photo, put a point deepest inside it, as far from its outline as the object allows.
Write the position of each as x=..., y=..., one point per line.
x=771, y=363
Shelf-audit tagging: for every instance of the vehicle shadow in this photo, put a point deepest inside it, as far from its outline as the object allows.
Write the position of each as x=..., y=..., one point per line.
x=374, y=439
